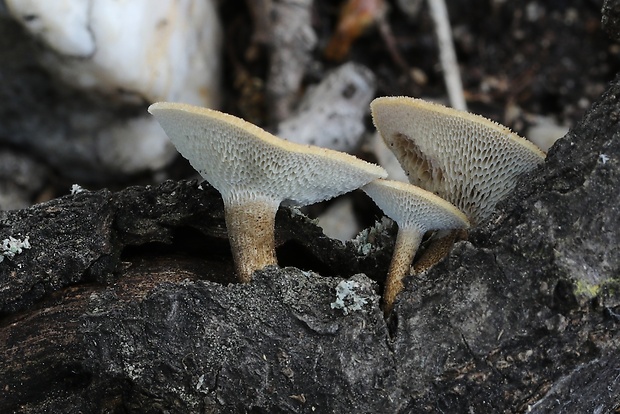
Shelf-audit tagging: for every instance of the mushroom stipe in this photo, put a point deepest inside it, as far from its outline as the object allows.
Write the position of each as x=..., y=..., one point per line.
x=416, y=211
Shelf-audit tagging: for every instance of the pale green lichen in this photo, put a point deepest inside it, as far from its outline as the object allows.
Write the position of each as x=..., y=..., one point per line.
x=607, y=288
x=296, y=211
x=347, y=299
x=585, y=289
x=604, y=158
x=76, y=189
x=12, y=246
x=365, y=240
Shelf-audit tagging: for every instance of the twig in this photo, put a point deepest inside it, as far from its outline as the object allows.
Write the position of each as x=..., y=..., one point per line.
x=447, y=56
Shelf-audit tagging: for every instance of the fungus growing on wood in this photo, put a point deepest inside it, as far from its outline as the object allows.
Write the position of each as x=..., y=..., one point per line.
x=416, y=211
x=255, y=171
x=465, y=159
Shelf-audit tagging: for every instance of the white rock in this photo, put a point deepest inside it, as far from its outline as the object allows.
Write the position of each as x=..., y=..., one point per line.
x=131, y=49
x=137, y=145
x=545, y=131
x=331, y=113
x=338, y=221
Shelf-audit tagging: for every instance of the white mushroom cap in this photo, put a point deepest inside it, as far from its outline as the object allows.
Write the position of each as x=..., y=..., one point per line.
x=467, y=159
x=255, y=171
x=413, y=207
x=243, y=161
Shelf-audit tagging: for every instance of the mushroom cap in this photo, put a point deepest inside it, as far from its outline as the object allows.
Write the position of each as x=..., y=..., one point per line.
x=244, y=162
x=464, y=158
x=413, y=207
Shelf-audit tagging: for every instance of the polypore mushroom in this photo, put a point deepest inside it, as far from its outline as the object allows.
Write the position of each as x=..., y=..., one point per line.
x=466, y=159
x=255, y=171
x=416, y=211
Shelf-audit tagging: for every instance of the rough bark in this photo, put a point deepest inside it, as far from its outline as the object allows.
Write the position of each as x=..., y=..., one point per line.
x=124, y=303
x=611, y=18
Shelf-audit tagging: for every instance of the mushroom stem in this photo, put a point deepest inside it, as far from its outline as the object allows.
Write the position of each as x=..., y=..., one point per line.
x=407, y=243
x=439, y=247
x=250, y=228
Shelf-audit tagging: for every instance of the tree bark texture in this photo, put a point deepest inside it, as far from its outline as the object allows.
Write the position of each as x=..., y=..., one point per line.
x=127, y=302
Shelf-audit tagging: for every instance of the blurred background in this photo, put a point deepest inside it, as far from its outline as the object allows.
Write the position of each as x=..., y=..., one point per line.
x=76, y=77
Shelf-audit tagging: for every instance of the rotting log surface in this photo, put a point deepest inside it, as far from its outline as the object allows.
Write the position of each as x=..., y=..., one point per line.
x=123, y=304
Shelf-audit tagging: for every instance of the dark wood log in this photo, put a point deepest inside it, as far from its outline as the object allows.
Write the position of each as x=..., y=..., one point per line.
x=126, y=302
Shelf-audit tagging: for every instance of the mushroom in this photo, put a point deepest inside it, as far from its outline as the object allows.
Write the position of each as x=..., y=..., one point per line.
x=255, y=171
x=416, y=211
x=466, y=159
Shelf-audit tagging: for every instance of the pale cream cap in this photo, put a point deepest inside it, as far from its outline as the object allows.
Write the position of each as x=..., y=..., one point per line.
x=464, y=158
x=413, y=207
x=245, y=162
